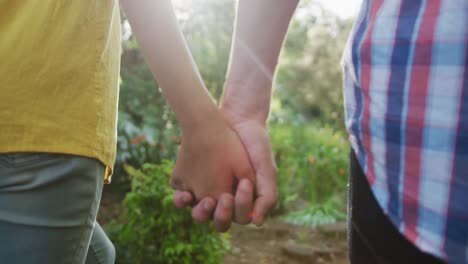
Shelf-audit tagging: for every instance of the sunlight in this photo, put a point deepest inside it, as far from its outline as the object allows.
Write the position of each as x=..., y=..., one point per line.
x=344, y=9
x=178, y=3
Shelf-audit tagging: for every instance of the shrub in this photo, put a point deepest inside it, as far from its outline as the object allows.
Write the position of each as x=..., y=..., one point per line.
x=312, y=164
x=317, y=214
x=153, y=230
x=137, y=145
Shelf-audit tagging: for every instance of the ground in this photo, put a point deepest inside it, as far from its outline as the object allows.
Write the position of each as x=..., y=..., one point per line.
x=276, y=242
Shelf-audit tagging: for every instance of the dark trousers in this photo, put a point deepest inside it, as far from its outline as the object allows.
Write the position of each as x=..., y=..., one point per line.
x=372, y=237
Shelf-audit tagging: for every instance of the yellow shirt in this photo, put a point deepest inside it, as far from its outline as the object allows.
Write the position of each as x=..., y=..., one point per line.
x=59, y=74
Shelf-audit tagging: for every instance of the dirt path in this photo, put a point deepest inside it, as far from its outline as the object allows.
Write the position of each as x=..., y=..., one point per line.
x=274, y=243
x=278, y=242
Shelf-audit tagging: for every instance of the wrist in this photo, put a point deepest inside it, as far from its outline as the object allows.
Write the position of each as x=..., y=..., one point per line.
x=243, y=103
x=204, y=125
x=235, y=115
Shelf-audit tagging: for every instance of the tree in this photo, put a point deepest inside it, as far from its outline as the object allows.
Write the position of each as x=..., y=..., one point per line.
x=309, y=79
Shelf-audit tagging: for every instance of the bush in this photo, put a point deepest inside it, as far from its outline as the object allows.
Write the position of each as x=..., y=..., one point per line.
x=139, y=145
x=318, y=214
x=153, y=230
x=312, y=164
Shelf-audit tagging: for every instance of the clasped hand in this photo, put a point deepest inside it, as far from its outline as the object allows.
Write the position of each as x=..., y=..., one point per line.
x=226, y=172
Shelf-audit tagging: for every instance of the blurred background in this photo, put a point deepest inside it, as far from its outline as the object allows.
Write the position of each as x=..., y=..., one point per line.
x=306, y=128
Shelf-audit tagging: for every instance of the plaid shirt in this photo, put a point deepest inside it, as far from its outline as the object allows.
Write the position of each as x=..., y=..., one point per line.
x=406, y=101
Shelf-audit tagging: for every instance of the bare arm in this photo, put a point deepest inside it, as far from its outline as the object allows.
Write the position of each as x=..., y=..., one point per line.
x=260, y=30
x=165, y=50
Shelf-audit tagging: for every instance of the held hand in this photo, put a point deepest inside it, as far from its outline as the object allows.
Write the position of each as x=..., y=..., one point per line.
x=254, y=136
x=222, y=212
x=210, y=165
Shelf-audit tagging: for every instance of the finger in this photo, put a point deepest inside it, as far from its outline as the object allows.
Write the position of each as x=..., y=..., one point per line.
x=203, y=211
x=267, y=194
x=262, y=207
x=183, y=199
x=223, y=212
x=243, y=202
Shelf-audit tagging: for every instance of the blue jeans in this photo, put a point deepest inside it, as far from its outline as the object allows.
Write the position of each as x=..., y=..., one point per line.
x=48, y=207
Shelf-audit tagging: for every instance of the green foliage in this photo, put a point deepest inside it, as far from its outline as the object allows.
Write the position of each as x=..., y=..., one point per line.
x=309, y=77
x=208, y=27
x=153, y=230
x=317, y=214
x=312, y=164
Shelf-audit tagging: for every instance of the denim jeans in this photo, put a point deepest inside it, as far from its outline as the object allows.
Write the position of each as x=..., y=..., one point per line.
x=48, y=207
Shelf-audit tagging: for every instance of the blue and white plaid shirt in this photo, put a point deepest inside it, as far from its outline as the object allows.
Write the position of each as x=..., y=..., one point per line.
x=406, y=101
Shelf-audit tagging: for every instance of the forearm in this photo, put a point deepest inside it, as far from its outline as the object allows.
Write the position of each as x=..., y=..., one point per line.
x=165, y=50
x=261, y=26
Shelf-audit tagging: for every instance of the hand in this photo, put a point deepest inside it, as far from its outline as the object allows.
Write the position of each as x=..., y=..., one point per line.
x=210, y=164
x=254, y=135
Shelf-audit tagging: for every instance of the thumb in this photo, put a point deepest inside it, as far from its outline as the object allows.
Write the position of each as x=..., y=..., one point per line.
x=266, y=190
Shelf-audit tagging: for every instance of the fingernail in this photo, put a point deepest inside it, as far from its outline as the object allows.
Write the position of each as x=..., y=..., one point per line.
x=206, y=206
x=225, y=202
x=245, y=185
x=250, y=216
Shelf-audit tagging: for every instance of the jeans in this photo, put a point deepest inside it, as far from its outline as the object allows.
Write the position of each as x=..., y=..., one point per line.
x=48, y=207
x=373, y=239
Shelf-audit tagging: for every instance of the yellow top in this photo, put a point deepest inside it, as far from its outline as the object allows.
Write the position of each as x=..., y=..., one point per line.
x=59, y=75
